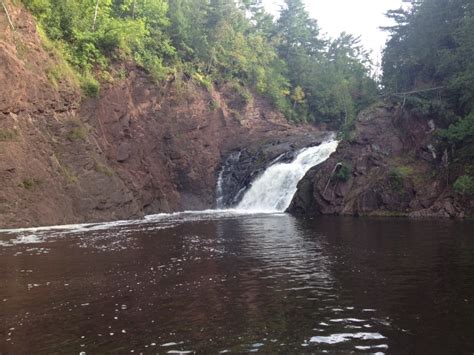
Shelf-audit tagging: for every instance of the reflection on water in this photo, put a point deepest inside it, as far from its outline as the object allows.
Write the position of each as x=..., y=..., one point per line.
x=224, y=282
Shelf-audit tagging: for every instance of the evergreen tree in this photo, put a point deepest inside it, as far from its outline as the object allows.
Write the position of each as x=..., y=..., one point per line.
x=216, y=42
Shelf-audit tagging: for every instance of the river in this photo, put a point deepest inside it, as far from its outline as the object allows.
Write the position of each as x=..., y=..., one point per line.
x=213, y=282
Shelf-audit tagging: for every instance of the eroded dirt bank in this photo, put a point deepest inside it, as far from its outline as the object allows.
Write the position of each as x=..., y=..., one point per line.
x=139, y=148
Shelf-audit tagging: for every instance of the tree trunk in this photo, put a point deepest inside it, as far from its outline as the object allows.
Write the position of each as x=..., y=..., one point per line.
x=133, y=8
x=8, y=15
x=95, y=14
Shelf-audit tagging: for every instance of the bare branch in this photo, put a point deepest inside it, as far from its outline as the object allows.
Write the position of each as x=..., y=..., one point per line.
x=403, y=94
x=95, y=14
x=8, y=15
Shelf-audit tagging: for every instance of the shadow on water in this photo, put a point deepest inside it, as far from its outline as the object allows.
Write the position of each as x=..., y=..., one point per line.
x=269, y=283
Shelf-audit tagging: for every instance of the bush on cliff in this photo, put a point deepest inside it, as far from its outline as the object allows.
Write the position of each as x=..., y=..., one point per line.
x=464, y=185
x=343, y=173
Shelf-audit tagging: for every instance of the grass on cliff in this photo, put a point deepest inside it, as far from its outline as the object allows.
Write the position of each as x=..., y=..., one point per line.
x=68, y=175
x=78, y=130
x=103, y=169
x=29, y=183
x=61, y=70
x=7, y=135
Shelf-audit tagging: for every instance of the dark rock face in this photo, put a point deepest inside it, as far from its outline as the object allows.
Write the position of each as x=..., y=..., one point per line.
x=243, y=166
x=392, y=169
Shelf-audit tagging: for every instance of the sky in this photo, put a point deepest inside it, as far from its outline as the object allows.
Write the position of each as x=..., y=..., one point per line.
x=357, y=17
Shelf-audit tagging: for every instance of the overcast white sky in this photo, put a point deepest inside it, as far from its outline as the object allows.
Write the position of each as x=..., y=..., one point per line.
x=358, y=17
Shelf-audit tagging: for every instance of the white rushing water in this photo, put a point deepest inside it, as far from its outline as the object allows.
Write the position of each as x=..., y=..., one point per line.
x=275, y=188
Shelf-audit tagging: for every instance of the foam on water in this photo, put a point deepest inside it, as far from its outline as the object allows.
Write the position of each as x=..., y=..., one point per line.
x=27, y=239
x=343, y=337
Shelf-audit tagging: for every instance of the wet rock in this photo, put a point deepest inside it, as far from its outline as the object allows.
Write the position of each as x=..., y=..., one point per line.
x=123, y=152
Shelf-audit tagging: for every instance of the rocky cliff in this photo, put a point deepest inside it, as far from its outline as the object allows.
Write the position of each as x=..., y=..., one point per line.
x=139, y=148
x=391, y=167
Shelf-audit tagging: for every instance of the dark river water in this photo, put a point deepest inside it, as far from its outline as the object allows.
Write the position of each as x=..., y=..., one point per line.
x=210, y=283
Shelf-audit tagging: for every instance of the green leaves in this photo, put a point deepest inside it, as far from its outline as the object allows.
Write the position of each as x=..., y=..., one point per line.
x=433, y=45
x=460, y=131
x=334, y=75
x=305, y=76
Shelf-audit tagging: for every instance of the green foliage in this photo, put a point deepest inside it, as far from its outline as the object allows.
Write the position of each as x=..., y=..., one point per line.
x=464, y=185
x=213, y=105
x=59, y=72
x=90, y=85
x=68, y=175
x=7, y=135
x=343, y=173
x=334, y=75
x=432, y=45
x=460, y=131
x=203, y=81
x=214, y=42
x=242, y=91
x=103, y=169
x=397, y=177
x=298, y=96
x=403, y=171
x=29, y=183
x=78, y=131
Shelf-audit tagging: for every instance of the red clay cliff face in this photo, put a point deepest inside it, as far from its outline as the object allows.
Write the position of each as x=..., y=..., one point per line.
x=166, y=143
x=139, y=148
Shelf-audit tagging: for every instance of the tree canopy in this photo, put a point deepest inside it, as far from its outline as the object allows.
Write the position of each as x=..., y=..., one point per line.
x=306, y=76
x=432, y=45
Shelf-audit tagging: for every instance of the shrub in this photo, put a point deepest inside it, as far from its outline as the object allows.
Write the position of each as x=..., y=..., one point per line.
x=29, y=183
x=77, y=133
x=153, y=64
x=78, y=130
x=343, y=173
x=7, y=135
x=396, y=178
x=68, y=175
x=464, y=185
x=58, y=72
x=203, y=81
x=90, y=86
x=214, y=105
x=404, y=171
x=242, y=91
x=101, y=168
x=462, y=130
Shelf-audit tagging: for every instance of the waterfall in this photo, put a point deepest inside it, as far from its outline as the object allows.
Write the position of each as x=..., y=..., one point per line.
x=275, y=188
x=219, y=192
